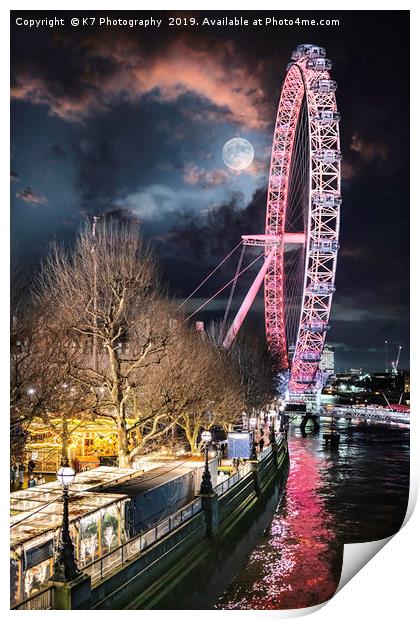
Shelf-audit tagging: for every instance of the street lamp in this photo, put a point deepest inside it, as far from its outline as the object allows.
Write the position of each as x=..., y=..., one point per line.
x=272, y=432
x=252, y=426
x=65, y=568
x=206, y=487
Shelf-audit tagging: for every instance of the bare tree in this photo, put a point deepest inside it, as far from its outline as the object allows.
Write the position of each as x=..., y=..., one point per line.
x=105, y=295
x=196, y=386
x=254, y=363
x=41, y=367
x=256, y=369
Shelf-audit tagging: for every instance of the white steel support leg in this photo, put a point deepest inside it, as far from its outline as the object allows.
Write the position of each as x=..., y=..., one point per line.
x=247, y=302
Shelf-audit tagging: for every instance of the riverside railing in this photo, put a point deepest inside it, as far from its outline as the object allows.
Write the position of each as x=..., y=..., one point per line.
x=266, y=452
x=224, y=486
x=41, y=600
x=112, y=560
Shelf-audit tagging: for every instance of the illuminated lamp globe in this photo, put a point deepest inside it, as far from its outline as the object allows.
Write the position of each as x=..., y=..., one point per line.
x=206, y=436
x=66, y=476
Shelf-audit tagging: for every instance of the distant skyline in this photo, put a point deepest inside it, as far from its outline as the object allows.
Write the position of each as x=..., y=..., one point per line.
x=133, y=122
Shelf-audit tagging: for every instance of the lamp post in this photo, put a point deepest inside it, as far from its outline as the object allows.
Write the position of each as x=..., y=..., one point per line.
x=272, y=432
x=65, y=568
x=282, y=420
x=252, y=425
x=206, y=487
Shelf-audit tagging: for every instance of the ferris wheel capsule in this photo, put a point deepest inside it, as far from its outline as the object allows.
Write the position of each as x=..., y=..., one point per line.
x=313, y=51
x=321, y=288
x=316, y=327
x=319, y=64
x=324, y=86
x=325, y=117
x=327, y=156
x=325, y=246
x=326, y=199
x=311, y=356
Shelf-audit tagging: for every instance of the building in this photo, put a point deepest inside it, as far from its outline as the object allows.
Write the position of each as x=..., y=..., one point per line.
x=326, y=364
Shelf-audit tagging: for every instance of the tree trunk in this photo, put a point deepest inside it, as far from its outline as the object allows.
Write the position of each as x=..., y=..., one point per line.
x=124, y=459
x=192, y=438
x=195, y=441
x=64, y=440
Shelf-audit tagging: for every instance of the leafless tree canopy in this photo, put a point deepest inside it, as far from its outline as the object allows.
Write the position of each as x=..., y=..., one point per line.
x=253, y=363
x=196, y=385
x=103, y=341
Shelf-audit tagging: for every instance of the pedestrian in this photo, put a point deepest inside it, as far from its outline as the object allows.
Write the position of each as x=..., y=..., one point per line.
x=261, y=442
x=31, y=466
x=21, y=470
x=40, y=479
x=31, y=481
x=219, y=455
x=13, y=474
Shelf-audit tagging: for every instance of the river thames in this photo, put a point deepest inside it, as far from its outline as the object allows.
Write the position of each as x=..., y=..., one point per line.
x=356, y=494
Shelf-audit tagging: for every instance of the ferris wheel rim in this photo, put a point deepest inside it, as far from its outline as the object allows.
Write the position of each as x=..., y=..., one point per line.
x=305, y=85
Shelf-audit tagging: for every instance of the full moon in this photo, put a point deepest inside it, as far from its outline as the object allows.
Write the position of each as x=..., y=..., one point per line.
x=238, y=153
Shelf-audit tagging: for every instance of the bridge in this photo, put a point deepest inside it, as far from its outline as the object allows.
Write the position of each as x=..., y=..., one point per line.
x=378, y=414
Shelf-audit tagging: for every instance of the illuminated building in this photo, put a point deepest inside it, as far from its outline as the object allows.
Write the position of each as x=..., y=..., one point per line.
x=326, y=365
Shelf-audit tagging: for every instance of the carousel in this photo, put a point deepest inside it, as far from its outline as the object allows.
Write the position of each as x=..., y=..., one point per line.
x=90, y=444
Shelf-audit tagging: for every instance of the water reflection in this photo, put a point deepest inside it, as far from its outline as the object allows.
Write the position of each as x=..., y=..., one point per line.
x=355, y=494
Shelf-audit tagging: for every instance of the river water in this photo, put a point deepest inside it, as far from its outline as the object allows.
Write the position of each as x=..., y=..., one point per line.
x=356, y=494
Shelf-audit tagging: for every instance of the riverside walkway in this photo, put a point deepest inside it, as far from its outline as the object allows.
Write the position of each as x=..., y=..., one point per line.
x=134, y=551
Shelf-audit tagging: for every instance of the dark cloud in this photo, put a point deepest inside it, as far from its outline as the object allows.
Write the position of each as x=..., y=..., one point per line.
x=58, y=152
x=220, y=229
x=94, y=75
x=121, y=215
x=368, y=151
x=30, y=195
x=194, y=175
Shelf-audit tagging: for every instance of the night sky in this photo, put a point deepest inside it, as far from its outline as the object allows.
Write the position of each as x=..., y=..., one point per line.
x=132, y=121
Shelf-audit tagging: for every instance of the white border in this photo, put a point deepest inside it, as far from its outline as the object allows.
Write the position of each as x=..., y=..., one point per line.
x=387, y=586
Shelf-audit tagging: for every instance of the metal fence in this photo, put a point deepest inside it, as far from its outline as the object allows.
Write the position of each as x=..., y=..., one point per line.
x=41, y=600
x=266, y=452
x=107, y=563
x=224, y=486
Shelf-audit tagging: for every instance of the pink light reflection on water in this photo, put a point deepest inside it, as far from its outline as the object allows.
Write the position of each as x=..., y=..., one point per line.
x=292, y=568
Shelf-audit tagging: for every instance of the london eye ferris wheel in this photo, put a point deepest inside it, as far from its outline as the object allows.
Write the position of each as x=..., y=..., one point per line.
x=300, y=241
